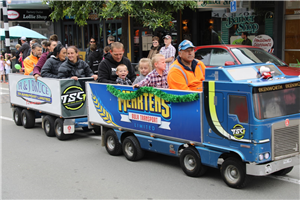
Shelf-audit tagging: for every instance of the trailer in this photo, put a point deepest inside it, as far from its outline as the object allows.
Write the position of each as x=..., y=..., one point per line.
x=240, y=123
x=61, y=103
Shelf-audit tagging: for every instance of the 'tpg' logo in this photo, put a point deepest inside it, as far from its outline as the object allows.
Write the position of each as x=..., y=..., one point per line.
x=73, y=98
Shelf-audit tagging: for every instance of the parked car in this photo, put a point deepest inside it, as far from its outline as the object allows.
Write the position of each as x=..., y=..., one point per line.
x=222, y=55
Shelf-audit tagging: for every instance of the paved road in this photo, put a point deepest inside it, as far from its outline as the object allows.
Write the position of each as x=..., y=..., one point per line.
x=35, y=166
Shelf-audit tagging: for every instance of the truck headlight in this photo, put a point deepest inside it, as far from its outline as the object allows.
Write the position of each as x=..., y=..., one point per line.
x=261, y=156
x=267, y=155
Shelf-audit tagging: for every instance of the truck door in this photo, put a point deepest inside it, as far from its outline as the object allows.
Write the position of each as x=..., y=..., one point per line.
x=238, y=117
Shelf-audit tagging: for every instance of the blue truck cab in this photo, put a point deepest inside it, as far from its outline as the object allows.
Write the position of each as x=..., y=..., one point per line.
x=240, y=123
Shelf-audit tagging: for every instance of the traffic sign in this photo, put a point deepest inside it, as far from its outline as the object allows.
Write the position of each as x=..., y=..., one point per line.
x=233, y=6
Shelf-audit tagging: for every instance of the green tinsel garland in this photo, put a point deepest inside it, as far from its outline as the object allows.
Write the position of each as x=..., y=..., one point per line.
x=167, y=97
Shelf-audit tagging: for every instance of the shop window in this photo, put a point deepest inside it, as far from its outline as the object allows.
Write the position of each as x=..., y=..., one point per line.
x=219, y=57
x=238, y=106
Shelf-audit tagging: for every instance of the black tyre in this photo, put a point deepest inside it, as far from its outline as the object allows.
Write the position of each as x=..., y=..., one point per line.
x=17, y=116
x=97, y=130
x=233, y=172
x=28, y=118
x=132, y=149
x=59, y=129
x=112, y=144
x=49, y=126
x=190, y=163
x=283, y=171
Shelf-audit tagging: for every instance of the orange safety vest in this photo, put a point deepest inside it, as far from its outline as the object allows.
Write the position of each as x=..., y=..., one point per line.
x=181, y=79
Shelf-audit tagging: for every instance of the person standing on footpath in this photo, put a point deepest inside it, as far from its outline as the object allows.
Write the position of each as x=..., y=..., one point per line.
x=94, y=59
x=155, y=47
x=108, y=67
x=111, y=39
x=246, y=40
x=168, y=51
x=186, y=73
x=24, y=48
x=88, y=50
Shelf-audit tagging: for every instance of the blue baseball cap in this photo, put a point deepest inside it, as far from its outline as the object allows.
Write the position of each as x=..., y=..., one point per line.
x=185, y=44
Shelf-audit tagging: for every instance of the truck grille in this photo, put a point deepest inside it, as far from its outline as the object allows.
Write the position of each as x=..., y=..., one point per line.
x=285, y=140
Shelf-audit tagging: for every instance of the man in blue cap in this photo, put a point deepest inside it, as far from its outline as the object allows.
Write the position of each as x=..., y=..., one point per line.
x=186, y=73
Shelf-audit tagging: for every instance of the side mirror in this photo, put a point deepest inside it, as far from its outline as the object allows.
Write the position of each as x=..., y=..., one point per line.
x=227, y=63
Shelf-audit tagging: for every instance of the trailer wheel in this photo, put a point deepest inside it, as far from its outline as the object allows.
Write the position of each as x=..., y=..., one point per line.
x=190, y=163
x=233, y=172
x=28, y=118
x=112, y=144
x=49, y=126
x=17, y=116
x=97, y=130
x=59, y=129
x=132, y=149
x=283, y=171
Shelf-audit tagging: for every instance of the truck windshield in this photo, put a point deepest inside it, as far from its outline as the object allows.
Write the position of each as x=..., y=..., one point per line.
x=277, y=100
x=255, y=55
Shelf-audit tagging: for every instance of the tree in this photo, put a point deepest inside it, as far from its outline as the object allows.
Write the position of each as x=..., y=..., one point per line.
x=152, y=14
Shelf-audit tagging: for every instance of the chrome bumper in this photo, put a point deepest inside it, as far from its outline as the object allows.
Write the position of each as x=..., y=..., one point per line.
x=269, y=168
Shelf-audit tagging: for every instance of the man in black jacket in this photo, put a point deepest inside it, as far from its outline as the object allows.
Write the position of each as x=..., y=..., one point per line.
x=108, y=67
x=24, y=48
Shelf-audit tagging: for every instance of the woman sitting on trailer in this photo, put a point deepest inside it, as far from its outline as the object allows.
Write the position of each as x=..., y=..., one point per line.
x=54, y=60
x=75, y=68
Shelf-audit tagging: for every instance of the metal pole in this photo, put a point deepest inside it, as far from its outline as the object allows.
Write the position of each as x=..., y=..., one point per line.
x=6, y=27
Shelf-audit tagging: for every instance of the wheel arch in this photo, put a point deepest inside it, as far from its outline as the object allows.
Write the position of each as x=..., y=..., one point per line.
x=125, y=135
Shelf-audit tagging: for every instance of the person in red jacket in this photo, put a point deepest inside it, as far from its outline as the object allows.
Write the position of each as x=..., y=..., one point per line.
x=186, y=73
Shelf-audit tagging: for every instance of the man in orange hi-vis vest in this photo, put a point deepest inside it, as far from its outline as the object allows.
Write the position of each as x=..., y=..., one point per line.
x=186, y=73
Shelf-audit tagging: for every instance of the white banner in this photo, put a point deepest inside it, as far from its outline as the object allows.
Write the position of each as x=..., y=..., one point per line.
x=145, y=118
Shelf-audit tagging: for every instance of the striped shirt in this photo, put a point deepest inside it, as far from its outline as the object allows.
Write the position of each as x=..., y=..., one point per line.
x=168, y=52
x=154, y=79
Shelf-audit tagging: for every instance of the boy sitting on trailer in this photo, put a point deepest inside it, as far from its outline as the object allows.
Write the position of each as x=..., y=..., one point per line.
x=158, y=77
x=122, y=72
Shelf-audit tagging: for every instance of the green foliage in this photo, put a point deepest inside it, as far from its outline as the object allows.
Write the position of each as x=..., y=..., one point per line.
x=152, y=14
x=165, y=96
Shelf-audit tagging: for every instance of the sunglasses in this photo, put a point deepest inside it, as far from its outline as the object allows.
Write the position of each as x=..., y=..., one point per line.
x=92, y=41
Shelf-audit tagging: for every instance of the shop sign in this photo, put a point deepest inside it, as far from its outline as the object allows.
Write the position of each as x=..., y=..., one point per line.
x=11, y=14
x=213, y=4
x=263, y=41
x=28, y=15
x=245, y=23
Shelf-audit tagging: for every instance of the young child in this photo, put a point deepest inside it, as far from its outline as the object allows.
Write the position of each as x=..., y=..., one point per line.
x=158, y=77
x=7, y=65
x=105, y=51
x=122, y=72
x=145, y=67
x=2, y=72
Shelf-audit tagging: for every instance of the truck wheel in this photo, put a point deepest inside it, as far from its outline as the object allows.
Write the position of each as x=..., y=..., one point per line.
x=59, y=129
x=283, y=171
x=17, y=116
x=49, y=126
x=190, y=163
x=112, y=144
x=132, y=149
x=97, y=130
x=28, y=118
x=233, y=172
